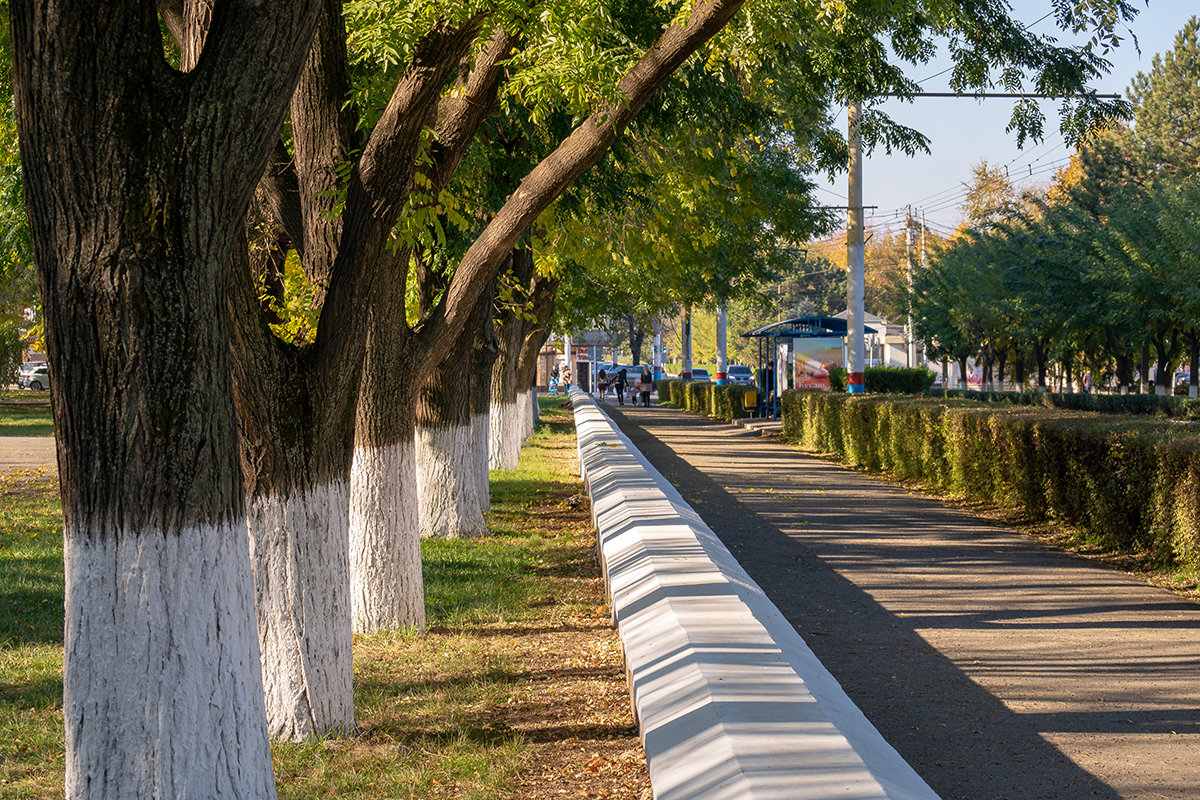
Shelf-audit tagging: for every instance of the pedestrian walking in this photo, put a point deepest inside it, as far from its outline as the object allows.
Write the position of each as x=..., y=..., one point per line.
x=646, y=385
x=619, y=384
x=602, y=384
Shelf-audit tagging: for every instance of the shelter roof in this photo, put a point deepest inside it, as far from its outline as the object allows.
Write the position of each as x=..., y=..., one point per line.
x=802, y=327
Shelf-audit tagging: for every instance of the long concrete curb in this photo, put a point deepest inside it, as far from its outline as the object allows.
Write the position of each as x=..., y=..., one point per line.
x=731, y=702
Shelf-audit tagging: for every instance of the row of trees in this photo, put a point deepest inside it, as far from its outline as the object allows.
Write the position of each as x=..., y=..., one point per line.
x=1099, y=274
x=255, y=222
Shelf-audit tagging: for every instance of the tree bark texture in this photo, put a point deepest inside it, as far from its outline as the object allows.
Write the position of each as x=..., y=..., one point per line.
x=385, y=545
x=137, y=179
x=448, y=483
x=505, y=425
x=485, y=351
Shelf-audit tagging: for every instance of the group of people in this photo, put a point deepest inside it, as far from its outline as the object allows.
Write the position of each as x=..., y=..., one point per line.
x=620, y=383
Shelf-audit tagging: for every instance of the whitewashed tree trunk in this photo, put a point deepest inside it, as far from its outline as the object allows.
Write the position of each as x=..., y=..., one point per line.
x=504, y=436
x=479, y=458
x=448, y=483
x=298, y=547
x=171, y=620
x=525, y=401
x=386, y=586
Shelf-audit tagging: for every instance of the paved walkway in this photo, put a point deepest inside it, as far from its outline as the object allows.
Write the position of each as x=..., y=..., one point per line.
x=27, y=453
x=999, y=668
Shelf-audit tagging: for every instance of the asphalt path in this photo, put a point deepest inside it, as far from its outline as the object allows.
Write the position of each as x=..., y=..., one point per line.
x=1000, y=668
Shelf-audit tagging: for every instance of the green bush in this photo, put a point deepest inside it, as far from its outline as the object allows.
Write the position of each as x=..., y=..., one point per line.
x=897, y=380
x=675, y=391
x=1105, y=403
x=727, y=402
x=1128, y=483
x=698, y=397
x=837, y=379
x=663, y=387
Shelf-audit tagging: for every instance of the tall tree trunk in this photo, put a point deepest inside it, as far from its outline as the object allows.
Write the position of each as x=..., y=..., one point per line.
x=136, y=187
x=448, y=483
x=1194, y=365
x=1001, y=360
x=296, y=448
x=1039, y=357
x=387, y=590
x=1144, y=370
x=1124, y=371
x=962, y=373
x=483, y=356
x=1019, y=370
x=637, y=337
x=1166, y=348
x=506, y=424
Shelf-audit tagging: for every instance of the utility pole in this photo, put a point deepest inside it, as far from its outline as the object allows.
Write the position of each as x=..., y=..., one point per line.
x=722, y=358
x=924, y=258
x=685, y=368
x=658, y=350
x=908, y=329
x=855, y=262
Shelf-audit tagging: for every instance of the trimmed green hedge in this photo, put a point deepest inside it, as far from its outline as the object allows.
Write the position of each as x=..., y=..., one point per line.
x=728, y=402
x=696, y=396
x=724, y=402
x=886, y=379
x=893, y=380
x=1127, y=483
x=1107, y=403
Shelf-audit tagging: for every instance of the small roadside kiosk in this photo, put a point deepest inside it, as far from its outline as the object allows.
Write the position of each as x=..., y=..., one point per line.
x=796, y=353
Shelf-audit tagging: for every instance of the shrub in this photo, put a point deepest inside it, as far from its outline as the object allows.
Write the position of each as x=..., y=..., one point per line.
x=697, y=397
x=1128, y=483
x=675, y=389
x=837, y=379
x=892, y=380
x=727, y=401
x=1104, y=403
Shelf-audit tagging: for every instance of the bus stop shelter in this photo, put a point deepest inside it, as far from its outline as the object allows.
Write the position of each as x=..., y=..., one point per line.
x=777, y=350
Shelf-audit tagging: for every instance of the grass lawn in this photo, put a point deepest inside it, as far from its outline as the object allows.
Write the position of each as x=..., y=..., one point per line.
x=517, y=690
x=25, y=420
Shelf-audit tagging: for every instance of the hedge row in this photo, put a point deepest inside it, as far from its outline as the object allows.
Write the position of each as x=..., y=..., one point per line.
x=1132, y=484
x=1108, y=403
x=886, y=380
x=723, y=402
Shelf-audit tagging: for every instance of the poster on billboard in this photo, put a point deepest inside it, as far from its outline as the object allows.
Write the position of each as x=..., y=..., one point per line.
x=812, y=360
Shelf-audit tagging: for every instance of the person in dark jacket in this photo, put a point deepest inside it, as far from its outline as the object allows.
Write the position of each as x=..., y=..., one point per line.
x=619, y=384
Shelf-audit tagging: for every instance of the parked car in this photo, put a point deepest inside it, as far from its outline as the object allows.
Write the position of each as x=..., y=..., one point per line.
x=37, y=378
x=699, y=374
x=740, y=373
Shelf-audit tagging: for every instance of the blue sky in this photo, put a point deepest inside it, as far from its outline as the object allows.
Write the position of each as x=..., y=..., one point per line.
x=962, y=131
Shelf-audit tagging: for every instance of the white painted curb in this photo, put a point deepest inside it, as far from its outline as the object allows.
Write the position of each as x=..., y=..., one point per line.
x=731, y=702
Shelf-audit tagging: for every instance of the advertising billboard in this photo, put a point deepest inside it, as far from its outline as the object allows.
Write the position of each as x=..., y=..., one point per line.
x=812, y=358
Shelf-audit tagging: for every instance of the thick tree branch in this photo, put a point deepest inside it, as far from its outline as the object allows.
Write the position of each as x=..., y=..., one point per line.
x=377, y=188
x=240, y=86
x=461, y=113
x=390, y=150
x=324, y=132
x=572, y=157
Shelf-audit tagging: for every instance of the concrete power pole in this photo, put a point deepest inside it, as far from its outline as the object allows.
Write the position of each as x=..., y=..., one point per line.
x=855, y=262
x=685, y=368
x=924, y=260
x=908, y=254
x=658, y=351
x=722, y=359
